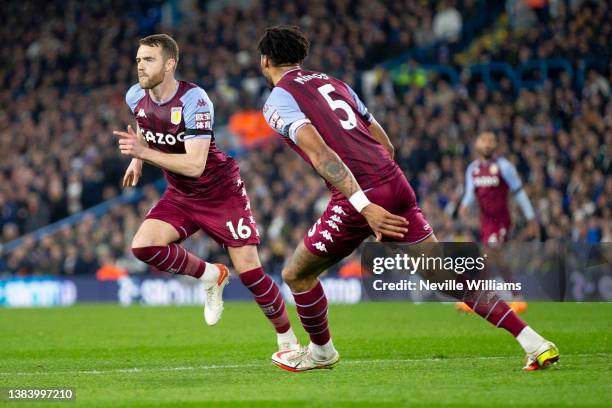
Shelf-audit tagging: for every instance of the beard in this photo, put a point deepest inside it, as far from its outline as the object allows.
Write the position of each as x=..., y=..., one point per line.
x=269, y=82
x=487, y=154
x=151, y=81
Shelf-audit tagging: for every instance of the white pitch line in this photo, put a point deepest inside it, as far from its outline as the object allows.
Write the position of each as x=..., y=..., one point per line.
x=261, y=365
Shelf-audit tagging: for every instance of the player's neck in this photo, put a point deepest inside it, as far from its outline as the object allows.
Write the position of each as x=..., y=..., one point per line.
x=165, y=90
x=278, y=72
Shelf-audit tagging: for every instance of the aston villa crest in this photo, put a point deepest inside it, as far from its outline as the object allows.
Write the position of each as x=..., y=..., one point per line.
x=175, y=115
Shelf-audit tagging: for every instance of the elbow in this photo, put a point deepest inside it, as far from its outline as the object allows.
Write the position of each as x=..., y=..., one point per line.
x=391, y=150
x=196, y=174
x=195, y=165
x=195, y=171
x=199, y=171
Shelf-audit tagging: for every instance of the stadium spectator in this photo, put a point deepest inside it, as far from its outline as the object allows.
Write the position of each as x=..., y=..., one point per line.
x=447, y=23
x=62, y=97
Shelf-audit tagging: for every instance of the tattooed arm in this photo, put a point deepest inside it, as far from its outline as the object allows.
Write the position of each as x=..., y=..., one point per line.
x=325, y=161
x=331, y=167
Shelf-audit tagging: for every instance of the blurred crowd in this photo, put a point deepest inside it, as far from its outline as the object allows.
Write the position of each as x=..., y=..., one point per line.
x=67, y=64
x=62, y=95
x=575, y=30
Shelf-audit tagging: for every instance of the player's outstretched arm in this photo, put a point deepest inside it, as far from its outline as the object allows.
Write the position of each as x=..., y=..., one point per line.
x=511, y=177
x=190, y=164
x=132, y=173
x=331, y=167
x=469, y=197
x=134, y=170
x=381, y=137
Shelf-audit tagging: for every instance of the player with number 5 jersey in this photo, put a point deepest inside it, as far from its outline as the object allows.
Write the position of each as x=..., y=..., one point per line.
x=175, y=132
x=326, y=123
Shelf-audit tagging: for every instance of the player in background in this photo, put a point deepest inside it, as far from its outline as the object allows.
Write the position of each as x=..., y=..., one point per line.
x=205, y=191
x=325, y=122
x=490, y=180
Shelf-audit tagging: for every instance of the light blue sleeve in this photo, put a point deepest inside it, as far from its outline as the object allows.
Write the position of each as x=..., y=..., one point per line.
x=283, y=113
x=134, y=95
x=511, y=177
x=361, y=108
x=198, y=113
x=523, y=202
x=509, y=174
x=469, y=197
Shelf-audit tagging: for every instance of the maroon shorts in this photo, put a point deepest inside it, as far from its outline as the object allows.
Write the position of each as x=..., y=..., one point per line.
x=494, y=233
x=225, y=216
x=341, y=228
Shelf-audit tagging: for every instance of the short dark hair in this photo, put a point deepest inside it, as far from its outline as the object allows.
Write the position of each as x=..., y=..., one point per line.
x=284, y=45
x=169, y=47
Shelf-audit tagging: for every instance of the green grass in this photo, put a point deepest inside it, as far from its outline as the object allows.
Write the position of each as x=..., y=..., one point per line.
x=392, y=354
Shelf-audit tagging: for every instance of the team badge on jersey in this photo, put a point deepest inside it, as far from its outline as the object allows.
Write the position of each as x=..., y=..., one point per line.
x=493, y=169
x=176, y=115
x=276, y=121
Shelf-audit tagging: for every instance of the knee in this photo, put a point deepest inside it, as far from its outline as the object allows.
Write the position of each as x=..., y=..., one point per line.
x=145, y=240
x=148, y=236
x=146, y=254
x=297, y=282
x=244, y=258
x=290, y=277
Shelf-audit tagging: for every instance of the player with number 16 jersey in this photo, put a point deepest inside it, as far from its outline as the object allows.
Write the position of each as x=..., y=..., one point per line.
x=175, y=132
x=216, y=201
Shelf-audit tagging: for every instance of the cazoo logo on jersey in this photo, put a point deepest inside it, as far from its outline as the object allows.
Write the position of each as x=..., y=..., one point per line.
x=161, y=138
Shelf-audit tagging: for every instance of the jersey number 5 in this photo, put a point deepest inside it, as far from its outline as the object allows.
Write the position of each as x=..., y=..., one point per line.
x=349, y=124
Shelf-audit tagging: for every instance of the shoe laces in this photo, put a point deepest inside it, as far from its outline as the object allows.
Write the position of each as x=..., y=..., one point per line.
x=299, y=355
x=211, y=296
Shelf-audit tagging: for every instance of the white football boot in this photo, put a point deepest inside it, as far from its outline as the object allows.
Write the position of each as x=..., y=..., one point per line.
x=546, y=355
x=213, y=305
x=302, y=359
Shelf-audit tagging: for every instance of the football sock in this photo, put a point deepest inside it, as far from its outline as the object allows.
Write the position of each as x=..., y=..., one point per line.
x=529, y=340
x=268, y=297
x=211, y=274
x=312, y=310
x=174, y=258
x=322, y=352
x=493, y=309
x=287, y=337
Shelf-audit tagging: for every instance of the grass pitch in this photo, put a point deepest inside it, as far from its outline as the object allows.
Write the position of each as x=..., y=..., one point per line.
x=392, y=354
